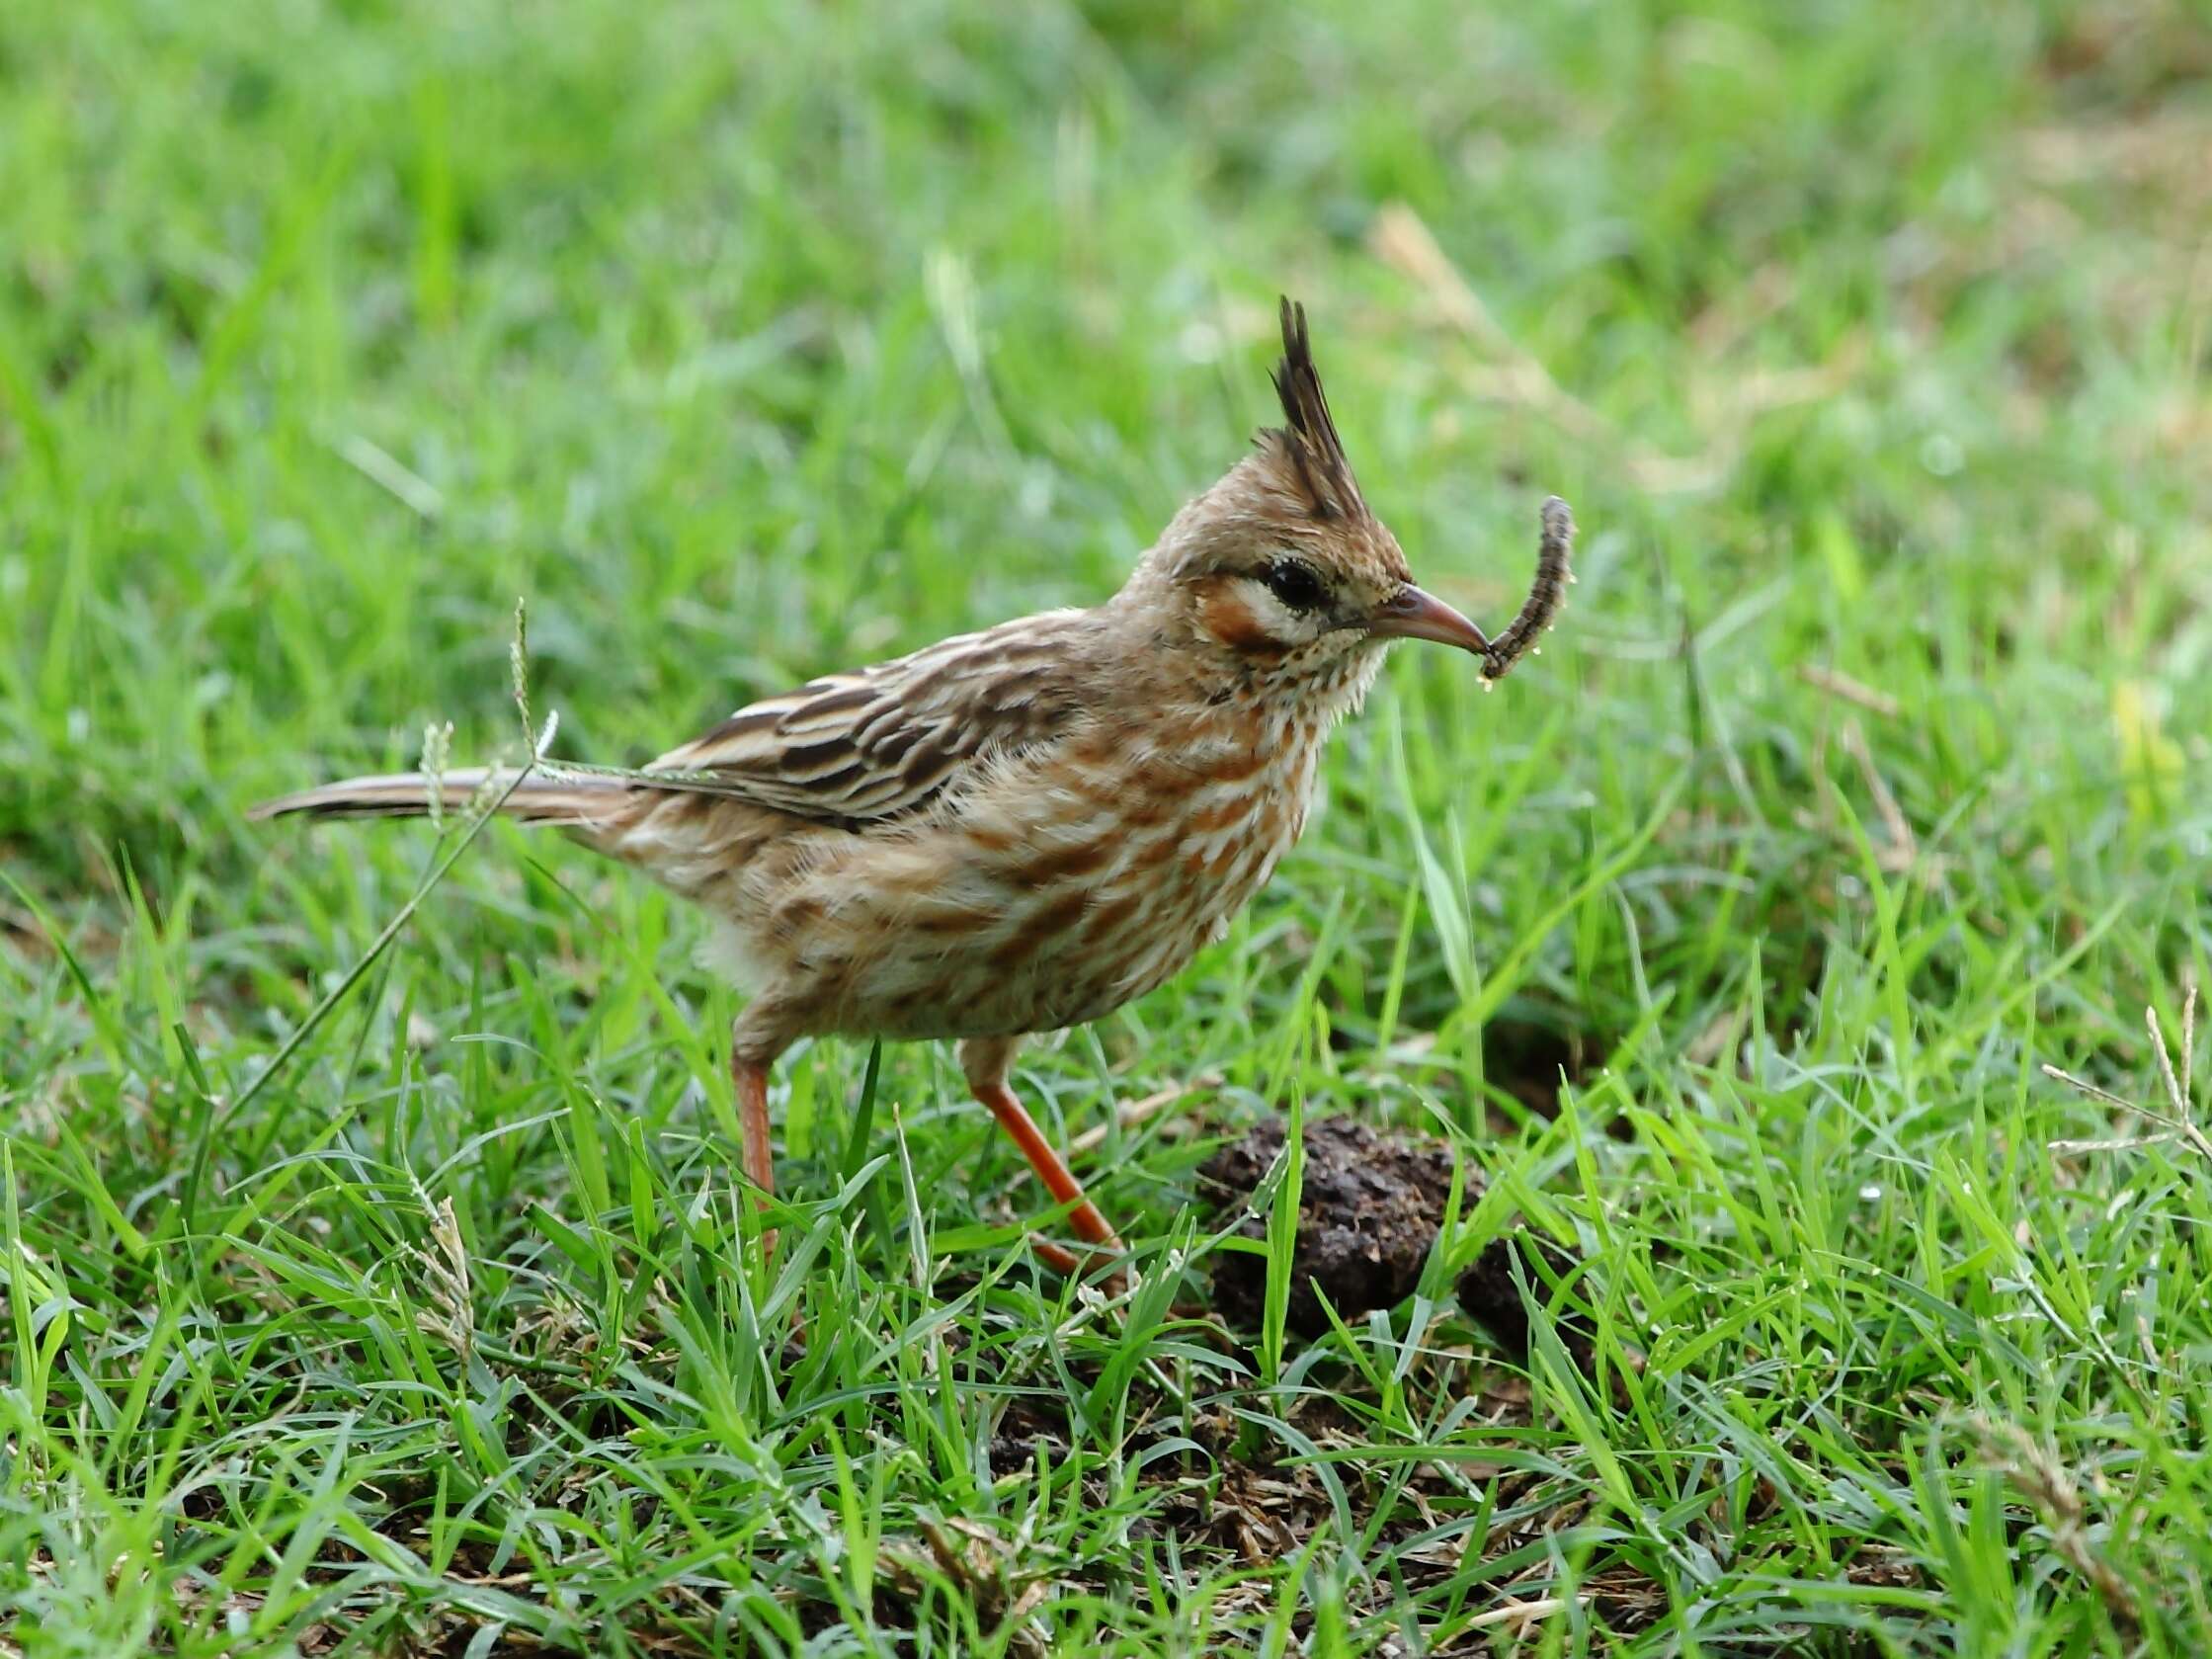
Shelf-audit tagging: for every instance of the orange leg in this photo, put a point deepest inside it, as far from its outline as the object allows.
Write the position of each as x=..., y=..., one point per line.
x=752, y=1113
x=985, y=1060
x=1064, y=1187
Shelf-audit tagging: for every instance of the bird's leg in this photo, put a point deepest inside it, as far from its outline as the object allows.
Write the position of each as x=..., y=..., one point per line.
x=1015, y=1118
x=986, y=1062
x=751, y=1079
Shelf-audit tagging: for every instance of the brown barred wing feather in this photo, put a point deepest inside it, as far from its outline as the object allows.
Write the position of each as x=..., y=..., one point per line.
x=886, y=741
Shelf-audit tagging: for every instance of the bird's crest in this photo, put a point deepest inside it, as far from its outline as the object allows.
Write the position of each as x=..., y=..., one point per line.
x=1309, y=445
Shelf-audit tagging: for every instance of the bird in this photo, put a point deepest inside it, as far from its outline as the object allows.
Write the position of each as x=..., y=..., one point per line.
x=1015, y=831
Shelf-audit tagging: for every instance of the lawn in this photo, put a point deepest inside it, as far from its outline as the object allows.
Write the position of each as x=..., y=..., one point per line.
x=398, y=1294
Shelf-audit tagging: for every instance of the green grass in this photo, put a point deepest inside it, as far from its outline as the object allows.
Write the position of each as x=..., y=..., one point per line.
x=1866, y=774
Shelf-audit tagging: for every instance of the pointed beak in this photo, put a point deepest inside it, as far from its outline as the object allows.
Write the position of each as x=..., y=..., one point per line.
x=1409, y=613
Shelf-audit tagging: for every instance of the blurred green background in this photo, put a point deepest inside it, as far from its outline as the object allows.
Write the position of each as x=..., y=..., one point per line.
x=744, y=341
x=1866, y=773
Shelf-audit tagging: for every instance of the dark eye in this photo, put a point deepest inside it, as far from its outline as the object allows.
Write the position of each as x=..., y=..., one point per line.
x=1294, y=583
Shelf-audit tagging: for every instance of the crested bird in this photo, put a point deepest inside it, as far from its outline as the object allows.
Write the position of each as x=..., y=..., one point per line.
x=1018, y=830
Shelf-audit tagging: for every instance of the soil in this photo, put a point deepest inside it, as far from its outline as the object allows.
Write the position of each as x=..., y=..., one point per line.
x=1024, y=1428
x=1368, y=1211
x=1491, y=1299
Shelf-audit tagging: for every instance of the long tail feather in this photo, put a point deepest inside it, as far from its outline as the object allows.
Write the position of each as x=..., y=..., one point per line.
x=580, y=802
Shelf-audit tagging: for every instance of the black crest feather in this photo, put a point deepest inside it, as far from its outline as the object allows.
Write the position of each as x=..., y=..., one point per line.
x=1310, y=441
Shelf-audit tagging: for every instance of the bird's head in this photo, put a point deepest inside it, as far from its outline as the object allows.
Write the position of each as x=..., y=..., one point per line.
x=1279, y=571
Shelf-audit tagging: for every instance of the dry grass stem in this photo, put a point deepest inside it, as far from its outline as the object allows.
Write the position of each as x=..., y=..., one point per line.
x=2036, y=1473
x=2177, y=1121
x=452, y=1315
x=1842, y=686
x=1402, y=239
x=1140, y=1111
x=1904, y=849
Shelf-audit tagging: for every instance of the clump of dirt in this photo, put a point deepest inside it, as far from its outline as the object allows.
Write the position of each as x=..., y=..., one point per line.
x=1492, y=1299
x=1368, y=1211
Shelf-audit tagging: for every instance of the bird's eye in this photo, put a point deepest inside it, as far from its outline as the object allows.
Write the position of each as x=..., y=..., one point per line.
x=1294, y=583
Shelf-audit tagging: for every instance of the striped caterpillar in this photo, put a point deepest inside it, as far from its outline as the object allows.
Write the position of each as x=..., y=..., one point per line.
x=1544, y=594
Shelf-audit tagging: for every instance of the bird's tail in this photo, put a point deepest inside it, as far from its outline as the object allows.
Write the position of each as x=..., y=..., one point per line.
x=574, y=802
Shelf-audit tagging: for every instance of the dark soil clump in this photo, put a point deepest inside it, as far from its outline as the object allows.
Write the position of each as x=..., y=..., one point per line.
x=1492, y=1299
x=1370, y=1208
x=1368, y=1215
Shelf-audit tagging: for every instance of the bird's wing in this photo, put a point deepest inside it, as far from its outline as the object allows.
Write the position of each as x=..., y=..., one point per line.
x=887, y=740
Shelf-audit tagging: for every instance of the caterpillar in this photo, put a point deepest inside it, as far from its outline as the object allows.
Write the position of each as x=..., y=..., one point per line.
x=1544, y=594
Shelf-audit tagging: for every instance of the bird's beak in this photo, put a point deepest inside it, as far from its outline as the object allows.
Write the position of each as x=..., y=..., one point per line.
x=1409, y=613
